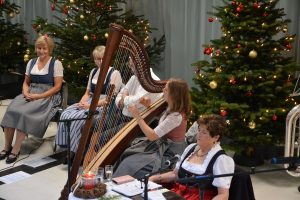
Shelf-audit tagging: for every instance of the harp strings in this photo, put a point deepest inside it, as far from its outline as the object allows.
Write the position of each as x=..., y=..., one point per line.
x=110, y=119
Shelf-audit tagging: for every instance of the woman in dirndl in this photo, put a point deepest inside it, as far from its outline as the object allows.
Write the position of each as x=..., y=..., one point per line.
x=201, y=159
x=31, y=111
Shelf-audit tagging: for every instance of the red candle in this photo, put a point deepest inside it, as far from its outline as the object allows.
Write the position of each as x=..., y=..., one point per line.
x=89, y=180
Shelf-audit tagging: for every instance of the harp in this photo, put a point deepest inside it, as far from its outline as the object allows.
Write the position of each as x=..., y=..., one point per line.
x=120, y=45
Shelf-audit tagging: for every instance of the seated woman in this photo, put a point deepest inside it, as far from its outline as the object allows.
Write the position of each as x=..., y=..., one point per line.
x=79, y=110
x=31, y=111
x=203, y=158
x=164, y=141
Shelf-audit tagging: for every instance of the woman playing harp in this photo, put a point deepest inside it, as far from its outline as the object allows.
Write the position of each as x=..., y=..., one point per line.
x=80, y=110
x=164, y=141
x=120, y=45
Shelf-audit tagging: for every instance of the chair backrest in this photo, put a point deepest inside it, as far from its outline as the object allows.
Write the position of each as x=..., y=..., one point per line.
x=64, y=95
x=64, y=101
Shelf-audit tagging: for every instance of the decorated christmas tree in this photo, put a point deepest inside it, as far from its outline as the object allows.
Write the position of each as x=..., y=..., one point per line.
x=12, y=41
x=84, y=25
x=248, y=74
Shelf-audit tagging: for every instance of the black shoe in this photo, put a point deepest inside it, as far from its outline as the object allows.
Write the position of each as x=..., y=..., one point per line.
x=72, y=155
x=4, y=153
x=11, y=158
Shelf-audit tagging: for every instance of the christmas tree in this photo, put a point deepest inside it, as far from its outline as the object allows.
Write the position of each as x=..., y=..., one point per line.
x=84, y=25
x=12, y=40
x=248, y=74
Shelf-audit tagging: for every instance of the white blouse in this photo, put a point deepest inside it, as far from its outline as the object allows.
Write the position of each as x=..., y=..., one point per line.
x=114, y=79
x=223, y=165
x=135, y=91
x=168, y=123
x=58, y=68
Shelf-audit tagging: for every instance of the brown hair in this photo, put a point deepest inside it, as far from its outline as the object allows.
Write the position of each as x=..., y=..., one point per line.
x=180, y=95
x=45, y=40
x=215, y=124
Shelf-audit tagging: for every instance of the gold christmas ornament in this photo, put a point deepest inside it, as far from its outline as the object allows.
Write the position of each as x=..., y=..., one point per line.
x=218, y=69
x=81, y=16
x=130, y=30
x=11, y=14
x=27, y=51
x=106, y=35
x=26, y=57
x=213, y=84
x=71, y=1
x=252, y=125
x=252, y=54
x=86, y=37
x=18, y=43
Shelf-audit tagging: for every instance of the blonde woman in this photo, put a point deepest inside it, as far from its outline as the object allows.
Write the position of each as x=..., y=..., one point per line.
x=31, y=112
x=79, y=110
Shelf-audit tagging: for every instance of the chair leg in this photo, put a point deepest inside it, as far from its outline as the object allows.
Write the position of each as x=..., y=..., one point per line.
x=54, y=148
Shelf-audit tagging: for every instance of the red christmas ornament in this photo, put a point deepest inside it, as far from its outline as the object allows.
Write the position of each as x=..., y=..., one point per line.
x=288, y=46
x=238, y=45
x=207, y=50
x=34, y=26
x=237, y=14
x=1, y=2
x=94, y=37
x=99, y=4
x=53, y=7
x=239, y=8
x=210, y=19
x=218, y=52
x=223, y=113
x=65, y=9
x=265, y=14
x=256, y=5
x=232, y=81
x=233, y=3
x=274, y=117
x=250, y=93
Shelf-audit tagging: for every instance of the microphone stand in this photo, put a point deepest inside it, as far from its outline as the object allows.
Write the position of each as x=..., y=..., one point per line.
x=200, y=179
x=145, y=179
x=67, y=125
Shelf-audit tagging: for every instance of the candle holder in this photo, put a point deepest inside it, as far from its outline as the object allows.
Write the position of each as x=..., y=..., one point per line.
x=88, y=180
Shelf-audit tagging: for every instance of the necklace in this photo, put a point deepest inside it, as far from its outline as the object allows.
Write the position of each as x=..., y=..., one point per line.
x=199, y=156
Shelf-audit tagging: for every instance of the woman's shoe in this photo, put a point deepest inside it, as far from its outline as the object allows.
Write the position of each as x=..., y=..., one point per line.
x=12, y=157
x=4, y=153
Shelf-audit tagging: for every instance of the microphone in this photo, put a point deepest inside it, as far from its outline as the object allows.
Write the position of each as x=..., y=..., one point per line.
x=286, y=160
x=194, y=179
x=172, y=160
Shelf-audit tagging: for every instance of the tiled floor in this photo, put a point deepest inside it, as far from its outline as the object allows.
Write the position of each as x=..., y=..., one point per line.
x=47, y=184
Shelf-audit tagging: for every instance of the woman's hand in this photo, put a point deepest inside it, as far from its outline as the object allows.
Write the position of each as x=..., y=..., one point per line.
x=145, y=101
x=32, y=97
x=83, y=105
x=134, y=111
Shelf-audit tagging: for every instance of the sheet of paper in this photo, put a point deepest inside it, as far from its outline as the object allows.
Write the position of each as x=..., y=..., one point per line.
x=134, y=188
x=38, y=162
x=156, y=194
x=14, y=177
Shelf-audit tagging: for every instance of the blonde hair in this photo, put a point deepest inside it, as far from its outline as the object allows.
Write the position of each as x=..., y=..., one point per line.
x=45, y=40
x=180, y=96
x=99, y=50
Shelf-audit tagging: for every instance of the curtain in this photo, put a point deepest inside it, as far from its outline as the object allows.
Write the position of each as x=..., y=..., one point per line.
x=183, y=22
